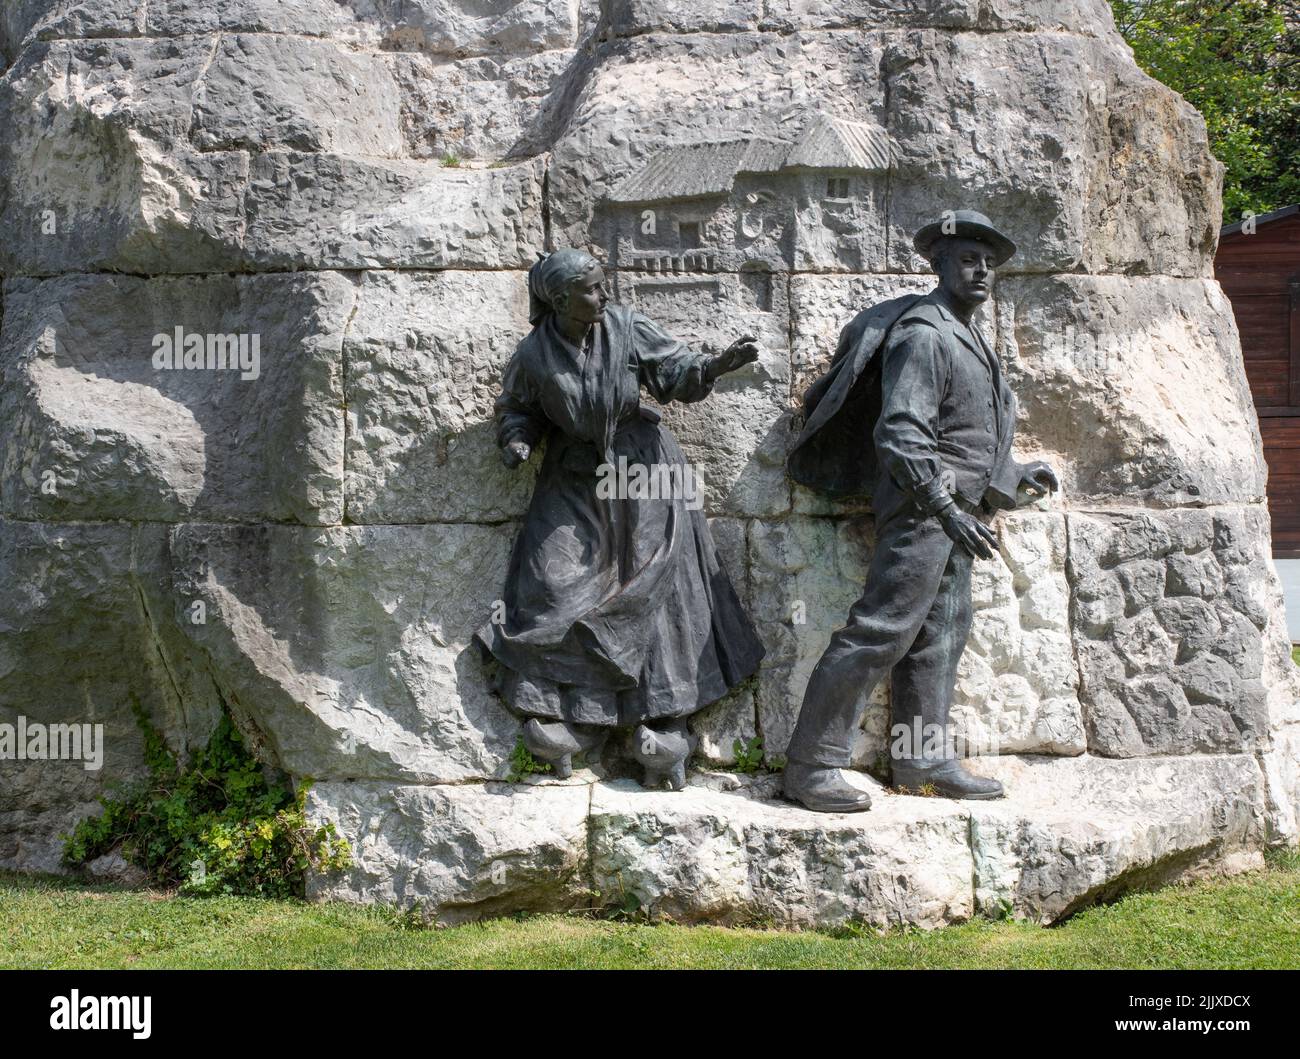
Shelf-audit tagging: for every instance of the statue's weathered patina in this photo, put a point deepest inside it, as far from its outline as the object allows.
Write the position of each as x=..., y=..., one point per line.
x=915, y=413
x=617, y=612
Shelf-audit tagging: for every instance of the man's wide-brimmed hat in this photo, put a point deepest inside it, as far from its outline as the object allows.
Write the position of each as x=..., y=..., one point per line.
x=966, y=224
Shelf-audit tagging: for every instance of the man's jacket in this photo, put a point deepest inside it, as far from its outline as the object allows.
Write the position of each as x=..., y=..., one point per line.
x=910, y=394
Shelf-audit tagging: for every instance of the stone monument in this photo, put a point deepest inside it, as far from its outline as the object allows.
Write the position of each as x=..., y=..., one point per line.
x=265, y=266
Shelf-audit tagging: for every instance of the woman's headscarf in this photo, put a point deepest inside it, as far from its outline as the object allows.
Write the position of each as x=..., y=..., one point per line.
x=550, y=278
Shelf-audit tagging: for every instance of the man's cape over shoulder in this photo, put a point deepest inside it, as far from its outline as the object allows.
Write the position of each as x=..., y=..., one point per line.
x=835, y=453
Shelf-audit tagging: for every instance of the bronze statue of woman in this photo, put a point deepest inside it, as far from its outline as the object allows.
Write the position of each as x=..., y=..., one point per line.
x=617, y=611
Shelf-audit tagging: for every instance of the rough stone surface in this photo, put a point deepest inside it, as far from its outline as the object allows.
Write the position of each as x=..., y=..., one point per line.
x=706, y=856
x=425, y=353
x=350, y=647
x=1168, y=615
x=458, y=852
x=75, y=602
x=1143, y=360
x=97, y=430
x=730, y=852
x=1017, y=687
x=1077, y=831
x=1282, y=780
x=362, y=183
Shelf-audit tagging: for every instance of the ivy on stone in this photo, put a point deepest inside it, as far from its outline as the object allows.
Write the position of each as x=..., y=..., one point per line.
x=212, y=825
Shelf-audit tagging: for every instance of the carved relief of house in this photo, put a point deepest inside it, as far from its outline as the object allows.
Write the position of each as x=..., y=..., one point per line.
x=755, y=204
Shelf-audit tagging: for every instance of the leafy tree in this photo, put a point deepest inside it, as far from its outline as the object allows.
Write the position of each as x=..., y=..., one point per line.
x=1238, y=63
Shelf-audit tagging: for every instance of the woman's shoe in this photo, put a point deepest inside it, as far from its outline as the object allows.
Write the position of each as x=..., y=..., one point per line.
x=554, y=743
x=664, y=754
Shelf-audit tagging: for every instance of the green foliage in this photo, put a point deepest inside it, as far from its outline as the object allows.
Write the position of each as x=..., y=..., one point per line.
x=749, y=755
x=522, y=763
x=451, y=160
x=212, y=826
x=1002, y=909
x=1237, y=63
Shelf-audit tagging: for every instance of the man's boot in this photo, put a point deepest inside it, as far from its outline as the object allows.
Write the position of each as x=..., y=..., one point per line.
x=945, y=777
x=822, y=789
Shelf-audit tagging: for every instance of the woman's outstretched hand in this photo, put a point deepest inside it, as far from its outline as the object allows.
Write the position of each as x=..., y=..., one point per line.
x=515, y=453
x=741, y=352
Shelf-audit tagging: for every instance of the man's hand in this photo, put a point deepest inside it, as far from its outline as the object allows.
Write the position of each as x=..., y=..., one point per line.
x=515, y=453
x=741, y=352
x=1038, y=479
x=968, y=532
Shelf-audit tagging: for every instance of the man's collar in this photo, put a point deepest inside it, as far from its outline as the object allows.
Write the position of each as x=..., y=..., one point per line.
x=963, y=332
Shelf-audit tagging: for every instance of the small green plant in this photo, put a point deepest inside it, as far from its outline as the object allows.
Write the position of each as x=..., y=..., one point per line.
x=212, y=826
x=880, y=767
x=522, y=763
x=451, y=160
x=1001, y=910
x=620, y=905
x=749, y=754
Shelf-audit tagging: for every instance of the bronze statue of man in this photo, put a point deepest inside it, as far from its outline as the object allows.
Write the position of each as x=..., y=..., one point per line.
x=915, y=413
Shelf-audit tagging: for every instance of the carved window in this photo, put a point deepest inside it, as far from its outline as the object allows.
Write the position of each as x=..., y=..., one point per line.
x=837, y=187
x=689, y=234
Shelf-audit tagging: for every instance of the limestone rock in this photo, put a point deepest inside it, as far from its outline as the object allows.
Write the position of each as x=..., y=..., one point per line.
x=711, y=16
x=349, y=648
x=737, y=437
x=425, y=353
x=260, y=93
x=163, y=158
x=1077, y=831
x=98, y=167
x=1141, y=360
x=1281, y=767
x=1017, y=688
x=729, y=852
x=479, y=108
x=113, y=416
x=394, y=214
x=458, y=852
x=1167, y=615
x=447, y=27
x=83, y=640
x=698, y=856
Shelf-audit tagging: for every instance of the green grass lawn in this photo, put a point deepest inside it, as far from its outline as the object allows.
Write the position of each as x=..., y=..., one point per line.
x=1248, y=921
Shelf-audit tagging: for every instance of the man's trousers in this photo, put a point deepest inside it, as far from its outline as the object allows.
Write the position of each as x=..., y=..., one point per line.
x=914, y=617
